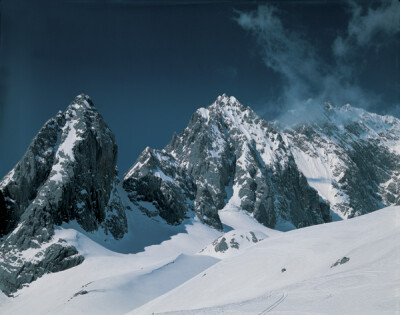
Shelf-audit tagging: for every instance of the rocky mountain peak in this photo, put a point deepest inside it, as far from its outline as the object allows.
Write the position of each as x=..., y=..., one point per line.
x=224, y=107
x=68, y=173
x=83, y=100
x=227, y=102
x=227, y=153
x=351, y=157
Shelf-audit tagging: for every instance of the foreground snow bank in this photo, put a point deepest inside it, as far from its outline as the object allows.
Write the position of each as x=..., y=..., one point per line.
x=346, y=267
x=343, y=267
x=110, y=281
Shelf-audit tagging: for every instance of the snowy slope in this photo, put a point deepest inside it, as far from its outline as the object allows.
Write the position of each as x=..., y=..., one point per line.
x=120, y=275
x=350, y=156
x=242, y=231
x=295, y=273
x=173, y=276
x=108, y=282
x=116, y=276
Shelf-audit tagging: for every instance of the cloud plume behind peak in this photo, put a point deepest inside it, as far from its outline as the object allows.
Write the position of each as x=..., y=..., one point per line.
x=310, y=77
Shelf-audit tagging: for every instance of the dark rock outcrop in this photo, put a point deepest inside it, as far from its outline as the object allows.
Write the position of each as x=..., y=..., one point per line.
x=3, y=215
x=232, y=242
x=220, y=245
x=68, y=173
x=340, y=261
x=157, y=177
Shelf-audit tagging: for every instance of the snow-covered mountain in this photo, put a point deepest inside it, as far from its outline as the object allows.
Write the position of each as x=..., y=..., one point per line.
x=351, y=157
x=346, y=267
x=196, y=227
x=227, y=154
x=68, y=173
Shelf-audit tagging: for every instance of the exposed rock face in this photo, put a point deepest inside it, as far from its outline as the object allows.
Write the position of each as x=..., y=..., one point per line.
x=232, y=243
x=351, y=157
x=3, y=215
x=227, y=147
x=68, y=173
x=340, y=261
x=157, y=177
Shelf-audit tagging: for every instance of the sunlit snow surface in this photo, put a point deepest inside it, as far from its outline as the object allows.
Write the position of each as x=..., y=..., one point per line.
x=292, y=273
x=285, y=273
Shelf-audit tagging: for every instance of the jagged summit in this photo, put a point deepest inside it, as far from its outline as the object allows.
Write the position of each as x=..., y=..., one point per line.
x=347, y=121
x=350, y=156
x=227, y=153
x=230, y=154
x=227, y=100
x=83, y=99
x=342, y=116
x=68, y=173
x=348, y=114
x=223, y=101
x=222, y=104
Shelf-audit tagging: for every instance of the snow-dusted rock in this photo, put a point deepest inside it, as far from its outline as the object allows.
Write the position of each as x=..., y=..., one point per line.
x=351, y=157
x=157, y=177
x=227, y=148
x=68, y=173
x=233, y=243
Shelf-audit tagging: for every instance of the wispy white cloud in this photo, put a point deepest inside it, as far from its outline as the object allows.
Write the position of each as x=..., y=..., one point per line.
x=369, y=27
x=283, y=51
x=309, y=79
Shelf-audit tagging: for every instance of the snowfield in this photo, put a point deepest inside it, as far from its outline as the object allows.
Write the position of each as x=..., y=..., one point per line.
x=344, y=267
x=294, y=273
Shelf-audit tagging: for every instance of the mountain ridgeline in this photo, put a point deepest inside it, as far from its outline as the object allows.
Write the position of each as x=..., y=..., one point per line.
x=226, y=154
x=351, y=156
x=343, y=163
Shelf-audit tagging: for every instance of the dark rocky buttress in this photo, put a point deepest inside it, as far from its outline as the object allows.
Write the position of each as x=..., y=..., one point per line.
x=67, y=173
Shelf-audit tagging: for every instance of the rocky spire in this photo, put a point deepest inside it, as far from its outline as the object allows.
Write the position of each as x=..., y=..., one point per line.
x=67, y=173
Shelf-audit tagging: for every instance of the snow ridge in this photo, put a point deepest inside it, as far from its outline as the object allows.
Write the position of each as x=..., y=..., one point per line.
x=226, y=144
x=350, y=156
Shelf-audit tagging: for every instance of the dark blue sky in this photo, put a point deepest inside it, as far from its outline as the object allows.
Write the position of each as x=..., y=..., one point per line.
x=148, y=65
